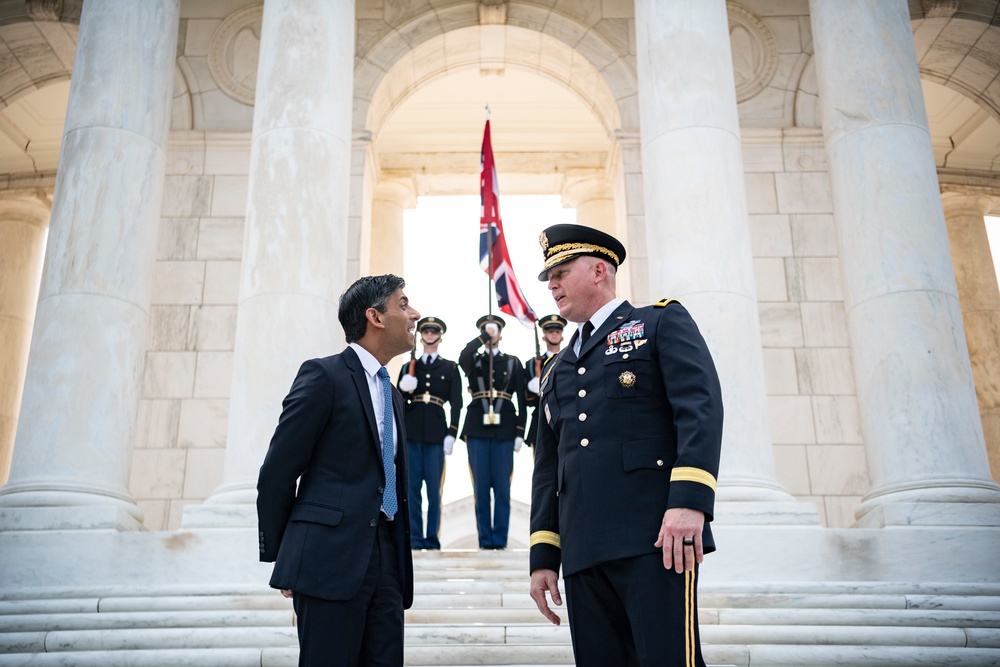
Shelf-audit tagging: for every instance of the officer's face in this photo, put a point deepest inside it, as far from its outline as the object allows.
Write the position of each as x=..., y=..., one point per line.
x=553, y=336
x=573, y=286
x=430, y=336
x=400, y=321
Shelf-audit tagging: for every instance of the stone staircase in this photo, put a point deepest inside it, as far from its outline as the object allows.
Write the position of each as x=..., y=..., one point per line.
x=472, y=608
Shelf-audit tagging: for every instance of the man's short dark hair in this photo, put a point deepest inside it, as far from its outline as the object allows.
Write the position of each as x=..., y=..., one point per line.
x=367, y=292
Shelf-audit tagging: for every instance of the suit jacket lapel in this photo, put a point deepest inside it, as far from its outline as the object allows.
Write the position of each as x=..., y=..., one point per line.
x=360, y=377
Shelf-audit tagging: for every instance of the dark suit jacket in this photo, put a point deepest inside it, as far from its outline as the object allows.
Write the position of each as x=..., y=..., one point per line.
x=321, y=537
x=631, y=428
x=425, y=421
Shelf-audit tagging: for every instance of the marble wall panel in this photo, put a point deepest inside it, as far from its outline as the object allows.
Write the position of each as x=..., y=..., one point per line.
x=825, y=371
x=186, y=196
x=214, y=375
x=178, y=238
x=837, y=420
x=770, y=279
x=220, y=238
x=772, y=107
x=214, y=110
x=825, y=324
x=792, y=469
x=157, y=473
x=157, y=424
x=780, y=325
x=804, y=155
x=202, y=423
x=768, y=8
x=222, y=282
x=177, y=283
x=791, y=420
x=213, y=328
x=839, y=510
x=837, y=470
x=805, y=192
x=814, y=236
x=198, y=36
x=155, y=513
x=780, y=373
x=770, y=236
x=761, y=155
x=230, y=196
x=177, y=512
x=168, y=375
x=168, y=328
x=761, y=195
x=203, y=473
x=223, y=159
x=617, y=9
x=184, y=158
x=814, y=279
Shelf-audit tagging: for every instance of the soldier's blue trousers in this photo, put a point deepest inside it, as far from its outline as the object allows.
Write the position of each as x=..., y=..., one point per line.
x=491, y=462
x=426, y=464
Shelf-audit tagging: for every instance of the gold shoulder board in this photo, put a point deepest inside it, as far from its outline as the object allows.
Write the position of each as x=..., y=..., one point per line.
x=662, y=303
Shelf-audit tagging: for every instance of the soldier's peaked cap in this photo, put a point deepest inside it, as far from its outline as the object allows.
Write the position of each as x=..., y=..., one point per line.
x=431, y=323
x=561, y=243
x=552, y=322
x=481, y=322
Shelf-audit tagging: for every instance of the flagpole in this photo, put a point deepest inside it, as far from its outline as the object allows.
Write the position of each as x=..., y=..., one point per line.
x=489, y=288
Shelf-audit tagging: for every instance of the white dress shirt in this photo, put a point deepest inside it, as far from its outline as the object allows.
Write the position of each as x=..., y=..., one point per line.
x=371, y=366
x=597, y=319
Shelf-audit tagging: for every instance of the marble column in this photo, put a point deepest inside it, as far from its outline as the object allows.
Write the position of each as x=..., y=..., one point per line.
x=591, y=197
x=698, y=237
x=919, y=418
x=74, y=439
x=388, y=203
x=23, y=220
x=964, y=210
x=295, y=244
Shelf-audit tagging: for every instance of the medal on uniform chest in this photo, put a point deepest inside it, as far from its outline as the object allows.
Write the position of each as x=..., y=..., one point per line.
x=627, y=379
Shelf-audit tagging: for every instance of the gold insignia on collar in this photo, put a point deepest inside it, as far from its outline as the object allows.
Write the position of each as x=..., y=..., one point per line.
x=543, y=240
x=627, y=379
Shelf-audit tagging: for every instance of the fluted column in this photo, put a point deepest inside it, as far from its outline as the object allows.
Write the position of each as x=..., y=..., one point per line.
x=697, y=224
x=919, y=416
x=295, y=246
x=23, y=221
x=964, y=210
x=388, y=203
x=81, y=390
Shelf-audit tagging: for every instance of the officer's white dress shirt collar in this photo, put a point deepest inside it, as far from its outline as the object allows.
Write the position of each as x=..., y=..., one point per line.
x=429, y=358
x=597, y=319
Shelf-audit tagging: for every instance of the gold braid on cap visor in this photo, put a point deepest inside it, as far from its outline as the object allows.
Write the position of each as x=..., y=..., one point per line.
x=560, y=252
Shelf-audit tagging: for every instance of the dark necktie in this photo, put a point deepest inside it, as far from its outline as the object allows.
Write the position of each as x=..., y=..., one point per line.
x=588, y=328
x=388, y=458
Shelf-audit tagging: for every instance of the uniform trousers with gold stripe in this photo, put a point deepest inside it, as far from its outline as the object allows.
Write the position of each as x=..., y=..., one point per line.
x=632, y=612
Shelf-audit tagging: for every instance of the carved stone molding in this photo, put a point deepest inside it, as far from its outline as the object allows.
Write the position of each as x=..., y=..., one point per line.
x=755, y=52
x=233, y=54
x=43, y=10
x=492, y=12
x=939, y=8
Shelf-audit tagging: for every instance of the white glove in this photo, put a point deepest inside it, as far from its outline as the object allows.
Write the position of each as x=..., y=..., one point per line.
x=449, y=444
x=492, y=328
x=518, y=443
x=407, y=383
x=533, y=385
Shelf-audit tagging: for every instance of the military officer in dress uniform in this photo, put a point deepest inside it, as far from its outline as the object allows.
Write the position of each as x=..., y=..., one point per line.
x=427, y=383
x=626, y=462
x=493, y=428
x=552, y=331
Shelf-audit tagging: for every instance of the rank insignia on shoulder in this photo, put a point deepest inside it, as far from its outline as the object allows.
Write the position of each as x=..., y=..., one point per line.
x=663, y=303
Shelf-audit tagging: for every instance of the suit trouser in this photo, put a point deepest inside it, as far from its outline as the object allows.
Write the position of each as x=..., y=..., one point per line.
x=426, y=464
x=634, y=613
x=492, y=464
x=365, y=631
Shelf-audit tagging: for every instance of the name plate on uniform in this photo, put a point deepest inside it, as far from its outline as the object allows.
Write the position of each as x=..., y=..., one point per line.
x=491, y=419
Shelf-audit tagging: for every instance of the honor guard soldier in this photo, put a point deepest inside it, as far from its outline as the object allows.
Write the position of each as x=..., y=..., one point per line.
x=626, y=462
x=493, y=428
x=552, y=331
x=427, y=383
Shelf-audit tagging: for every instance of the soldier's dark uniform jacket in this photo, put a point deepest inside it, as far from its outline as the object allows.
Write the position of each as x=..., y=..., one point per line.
x=631, y=428
x=437, y=383
x=532, y=398
x=508, y=383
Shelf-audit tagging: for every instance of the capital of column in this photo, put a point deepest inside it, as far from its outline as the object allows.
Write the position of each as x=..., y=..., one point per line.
x=398, y=191
x=584, y=185
x=968, y=200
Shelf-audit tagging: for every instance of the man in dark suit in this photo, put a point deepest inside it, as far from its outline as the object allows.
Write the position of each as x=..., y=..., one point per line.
x=341, y=541
x=625, y=464
x=427, y=383
x=552, y=331
x=493, y=428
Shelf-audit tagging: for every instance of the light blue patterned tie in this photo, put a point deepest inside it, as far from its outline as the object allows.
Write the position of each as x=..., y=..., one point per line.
x=388, y=458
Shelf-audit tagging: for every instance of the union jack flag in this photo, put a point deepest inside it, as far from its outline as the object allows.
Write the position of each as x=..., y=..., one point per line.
x=509, y=296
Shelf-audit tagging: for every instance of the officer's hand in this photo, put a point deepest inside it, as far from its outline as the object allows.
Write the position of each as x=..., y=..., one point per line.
x=533, y=385
x=407, y=383
x=449, y=444
x=518, y=443
x=542, y=581
x=680, y=524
